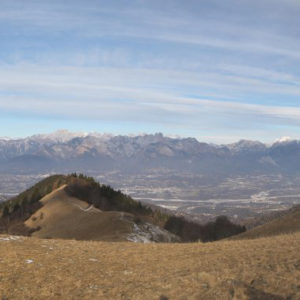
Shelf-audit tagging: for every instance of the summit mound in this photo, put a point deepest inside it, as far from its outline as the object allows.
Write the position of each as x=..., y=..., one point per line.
x=78, y=207
x=63, y=216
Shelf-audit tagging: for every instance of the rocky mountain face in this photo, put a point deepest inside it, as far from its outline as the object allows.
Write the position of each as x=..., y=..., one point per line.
x=66, y=152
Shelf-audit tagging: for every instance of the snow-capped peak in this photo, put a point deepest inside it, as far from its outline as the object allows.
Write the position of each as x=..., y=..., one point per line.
x=284, y=139
x=64, y=136
x=249, y=145
x=59, y=136
x=5, y=138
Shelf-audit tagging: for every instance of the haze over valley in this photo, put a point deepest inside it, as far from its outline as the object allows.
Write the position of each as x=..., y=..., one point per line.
x=150, y=149
x=241, y=180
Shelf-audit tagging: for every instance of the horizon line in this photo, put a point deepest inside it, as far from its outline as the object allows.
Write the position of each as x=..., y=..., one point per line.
x=111, y=134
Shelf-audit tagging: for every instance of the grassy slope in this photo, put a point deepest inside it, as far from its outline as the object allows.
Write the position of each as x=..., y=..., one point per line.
x=14, y=212
x=268, y=217
x=282, y=225
x=21, y=209
x=62, y=216
x=267, y=268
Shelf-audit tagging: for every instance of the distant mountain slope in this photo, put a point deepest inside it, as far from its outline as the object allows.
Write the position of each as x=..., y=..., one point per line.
x=287, y=222
x=76, y=206
x=67, y=152
x=268, y=217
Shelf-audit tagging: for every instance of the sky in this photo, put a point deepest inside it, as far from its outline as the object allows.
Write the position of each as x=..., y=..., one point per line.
x=217, y=70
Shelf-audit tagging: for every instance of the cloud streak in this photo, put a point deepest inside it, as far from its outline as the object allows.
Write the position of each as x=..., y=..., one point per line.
x=208, y=65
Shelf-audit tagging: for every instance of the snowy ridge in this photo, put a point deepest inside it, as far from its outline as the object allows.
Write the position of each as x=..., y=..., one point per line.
x=63, y=151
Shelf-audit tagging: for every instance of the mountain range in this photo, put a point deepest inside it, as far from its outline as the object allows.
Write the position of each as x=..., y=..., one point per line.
x=64, y=151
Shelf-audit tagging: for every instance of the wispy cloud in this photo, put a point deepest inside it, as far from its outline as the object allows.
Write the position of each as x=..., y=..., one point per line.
x=209, y=65
x=113, y=89
x=228, y=81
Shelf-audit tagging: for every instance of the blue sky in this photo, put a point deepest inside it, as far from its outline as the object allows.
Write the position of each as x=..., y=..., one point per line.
x=215, y=70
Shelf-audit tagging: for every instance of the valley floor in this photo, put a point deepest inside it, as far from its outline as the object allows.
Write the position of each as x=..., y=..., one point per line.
x=265, y=268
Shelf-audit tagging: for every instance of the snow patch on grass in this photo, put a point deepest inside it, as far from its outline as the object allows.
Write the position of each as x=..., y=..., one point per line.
x=10, y=238
x=149, y=233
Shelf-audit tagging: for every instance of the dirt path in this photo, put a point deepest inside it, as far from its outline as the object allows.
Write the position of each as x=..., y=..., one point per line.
x=84, y=209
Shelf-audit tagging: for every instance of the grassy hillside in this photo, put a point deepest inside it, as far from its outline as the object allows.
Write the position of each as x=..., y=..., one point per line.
x=288, y=223
x=264, y=269
x=24, y=202
x=62, y=216
x=15, y=212
x=268, y=217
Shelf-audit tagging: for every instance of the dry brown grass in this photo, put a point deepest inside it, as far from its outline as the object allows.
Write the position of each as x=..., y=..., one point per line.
x=282, y=225
x=266, y=268
x=62, y=216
